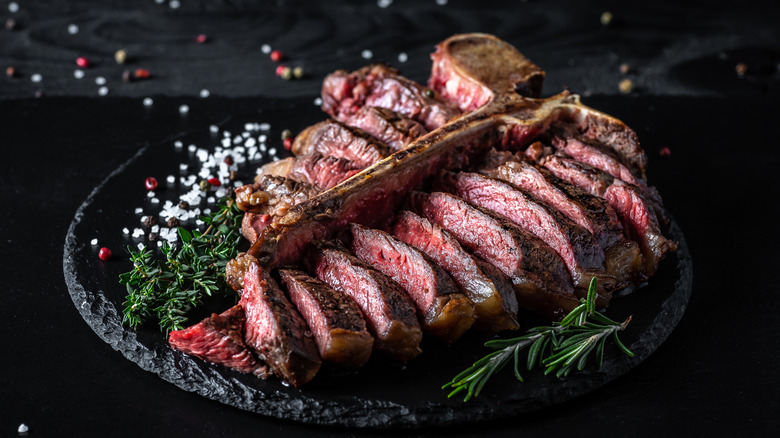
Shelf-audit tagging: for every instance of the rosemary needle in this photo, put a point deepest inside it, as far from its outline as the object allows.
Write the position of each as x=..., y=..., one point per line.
x=166, y=290
x=559, y=348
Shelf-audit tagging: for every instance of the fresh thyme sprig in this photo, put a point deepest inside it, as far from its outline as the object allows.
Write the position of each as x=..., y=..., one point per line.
x=166, y=290
x=559, y=348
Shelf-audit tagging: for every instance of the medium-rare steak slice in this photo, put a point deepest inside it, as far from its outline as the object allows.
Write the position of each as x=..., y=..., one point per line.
x=390, y=127
x=464, y=71
x=622, y=256
x=639, y=221
x=275, y=330
x=494, y=298
x=334, y=319
x=343, y=94
x=579, y=250
x=445, y=313
x=219, y=339
x=390, y=314
x=540, y=277
x=336, y=139
x=323, y=171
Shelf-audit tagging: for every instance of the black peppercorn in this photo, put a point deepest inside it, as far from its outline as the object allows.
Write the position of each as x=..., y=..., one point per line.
x=150, y=221
x=184, y=205
x=153, y=237
x=173, y=222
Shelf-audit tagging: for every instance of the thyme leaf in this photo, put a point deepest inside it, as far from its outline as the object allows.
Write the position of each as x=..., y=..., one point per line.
x=559, y=348
x=166, y=290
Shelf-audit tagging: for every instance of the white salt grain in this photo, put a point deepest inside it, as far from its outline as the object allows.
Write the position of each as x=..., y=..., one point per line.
x=23, y=428
x=155, y=201
x=78, y=74
x=36, y=77
x=140, y=246
x=13, y=7
x=148, y=101
x=403, y=57
x=155, y=228
x=125, y=230
x=226, y=142
x=103, y=91
x=171, y=179
x=204, y=93
x=214, y=129
x=264, y=126
x=184, y=109
x=150, y=194
x=384, y=3
x=250, y=142
x=174, y=4
x=139, y=210
x=441, y=2
x=265, y=48
x=100, y=80
x=210, y=199
x=272, y=152
x=94, y=242
x=367, y=54
x=318, y=101
x=262, y=138
x=183, y=167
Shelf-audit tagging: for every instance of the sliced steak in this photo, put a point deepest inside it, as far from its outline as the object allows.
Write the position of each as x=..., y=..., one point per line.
x=343, y=94
x=577, y=247
x=275, y=330
x=445, y=313
x=540, y=277
x=275, y=168
x=639, y=221
x=334, y=319
x=389, y=313
x=219, y=339
x=336, y=139
x=390, y=127
x=323, y=171
x=459, y=72
x=622, y=257
x=491, y=292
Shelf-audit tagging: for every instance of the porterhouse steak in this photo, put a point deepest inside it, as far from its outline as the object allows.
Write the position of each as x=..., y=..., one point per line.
x=494, y=199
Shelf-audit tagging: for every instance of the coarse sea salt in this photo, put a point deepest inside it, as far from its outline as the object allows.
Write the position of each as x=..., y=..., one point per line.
x=184, y=109
x=367, y=54
x=265, y=48
x=264, y=126
x=100, y=80
x=148, y=101
x=73, y=29
x=103, y=91
x=214, y=129
x=36, y=77
x=78, y=74
x=94, y=242
x=204, y=93
x=403, y=57
x=139, y=210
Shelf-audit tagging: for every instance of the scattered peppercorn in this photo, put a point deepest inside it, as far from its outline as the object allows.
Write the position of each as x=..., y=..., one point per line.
x=606, y=18
x=277, y=55
x=104, y=253
x=215, y=182
x=287, y=143
x=279, y=69
x=184, y=205
x=204, y=185
x=173, y=222
x=428, y=92
x=150, y=221
x=141, y=73
x=10, y=24
x=625, y=68
x=82, y=61
x=286, y=134
x=741, y=69
x=233, y=175
x=665, y=152
x=10, y=72
x=286, y=73
x=228, y=160
x=150, y=183
x=120, y=56
x=153, y=237
x=626, y=86
x=127, y=76
x=200, y=39
x=298, y=72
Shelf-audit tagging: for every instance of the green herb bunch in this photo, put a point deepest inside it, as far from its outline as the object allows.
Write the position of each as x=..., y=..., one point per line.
x=559, y=348
x=166, y=290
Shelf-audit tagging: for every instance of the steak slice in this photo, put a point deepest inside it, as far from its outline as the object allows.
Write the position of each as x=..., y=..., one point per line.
x=390, y=127
x=582, y=255
x=463, y=71
x=334, y=319
x=388, y=311
x=219, y=339
x=336, y=139
x=323, y=171
x=495, y=303
x=275, y=330
x=540, y=277
x=639, y=221
x=622, y=257
x=445, y=313
x=343, y=94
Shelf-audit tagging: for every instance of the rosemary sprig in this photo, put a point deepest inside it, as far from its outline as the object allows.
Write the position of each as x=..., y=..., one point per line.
x=559, y=348
x=166, y=290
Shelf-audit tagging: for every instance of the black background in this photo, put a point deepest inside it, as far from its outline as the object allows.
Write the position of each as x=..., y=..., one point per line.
x=715, y=375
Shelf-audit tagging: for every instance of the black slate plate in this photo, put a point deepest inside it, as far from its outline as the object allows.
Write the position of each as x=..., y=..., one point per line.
x=381, y=394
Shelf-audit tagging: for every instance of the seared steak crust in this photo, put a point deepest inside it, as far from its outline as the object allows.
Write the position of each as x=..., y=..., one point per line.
x=444, y=312
x=334, y=319
x=219, y=339
x=390, y=314
x=275, y=330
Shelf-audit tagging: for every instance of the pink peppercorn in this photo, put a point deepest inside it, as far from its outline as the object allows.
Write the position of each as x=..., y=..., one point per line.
x=141, y=73
x=665, y=152
x=200, y=39
x=276, y=56
x=82, y=61
x=215, y=182
x=104, y=253
x=150, y=183
x=288, y=143
x=280, y=69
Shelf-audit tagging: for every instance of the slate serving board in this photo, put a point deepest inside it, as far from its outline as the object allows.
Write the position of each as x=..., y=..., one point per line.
x=382, y=394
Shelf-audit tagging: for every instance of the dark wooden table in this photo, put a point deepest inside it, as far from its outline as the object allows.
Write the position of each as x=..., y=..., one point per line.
x=717, y=374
